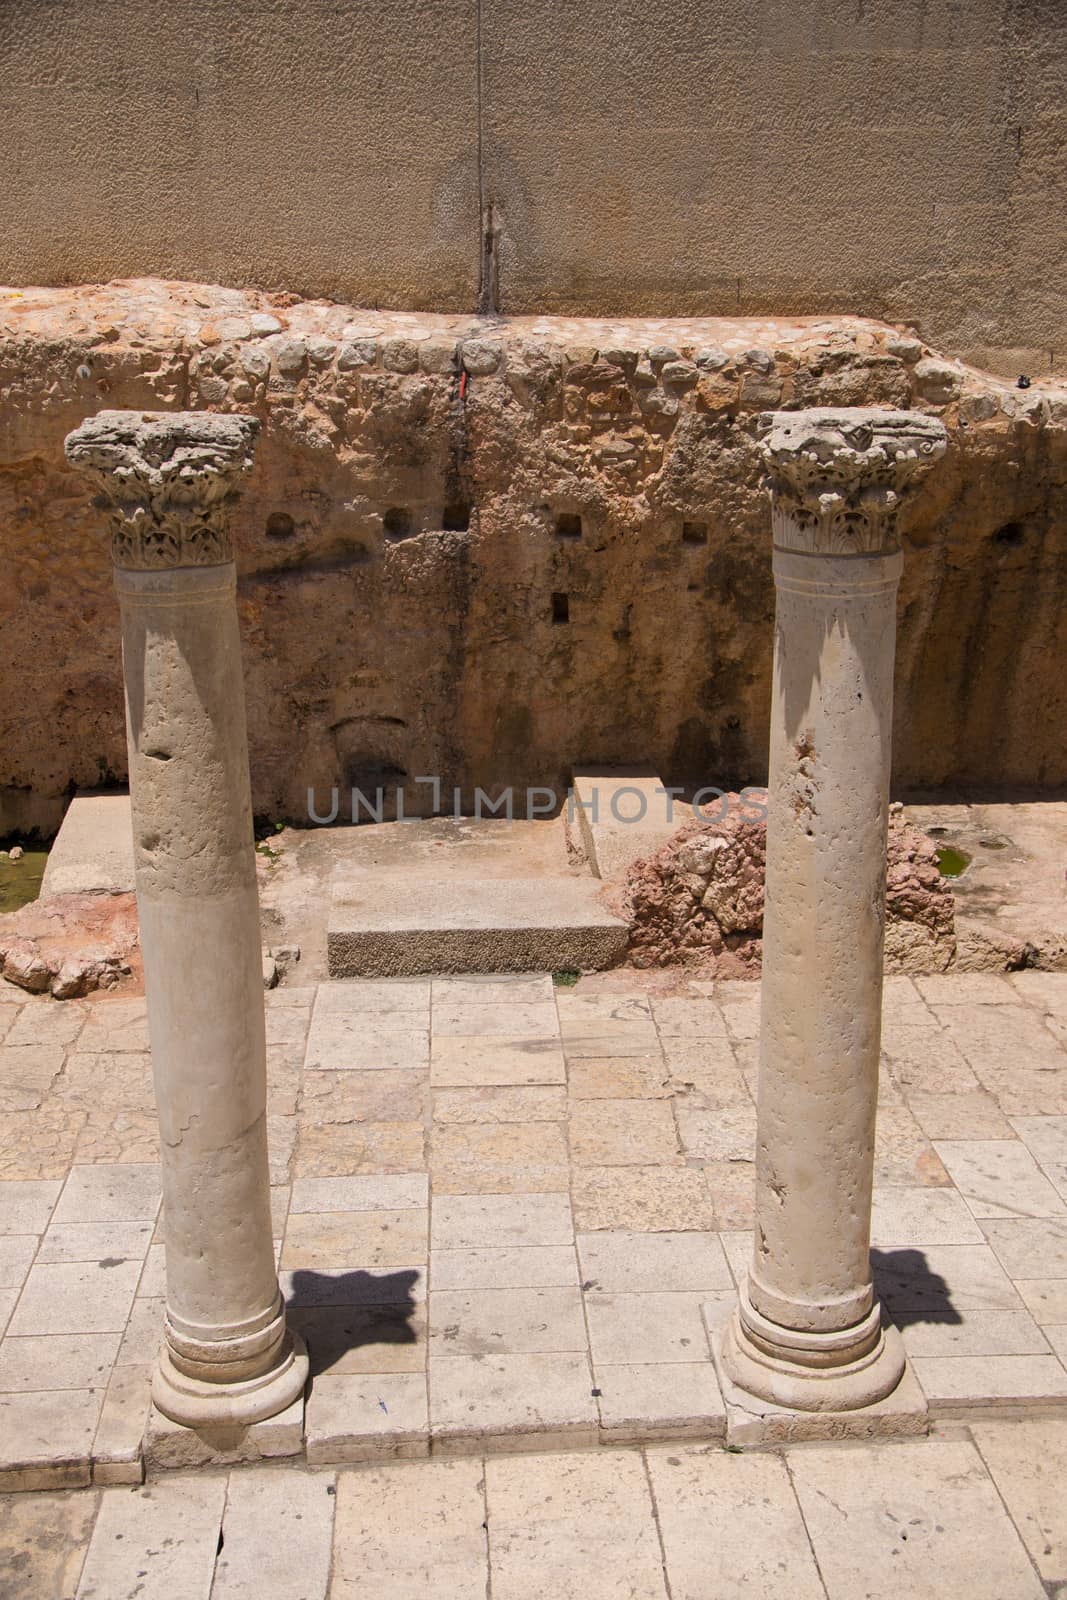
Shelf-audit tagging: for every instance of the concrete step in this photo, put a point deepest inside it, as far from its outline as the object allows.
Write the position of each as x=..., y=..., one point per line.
x=395, y=926
x=621, y=817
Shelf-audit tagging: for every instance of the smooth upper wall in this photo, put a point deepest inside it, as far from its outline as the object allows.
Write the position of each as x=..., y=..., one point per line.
x=897, y=158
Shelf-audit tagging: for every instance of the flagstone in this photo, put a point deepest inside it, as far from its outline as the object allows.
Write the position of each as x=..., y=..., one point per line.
x=1028, y=1463
x=523, y=1103
x=902, y=1153
x=973, y=1114
x=384, y=1192
x=370, y=1239
x=120, y=1137
x=347, y=1041
x=277, y=1533
x=478, y=990
x=905, y=1216
x=57, y=1361
x=618, y=1078
x=731, y=1186
x=363, y=1097
x=974, y=1333
x=644, y=1199
x=342, y=1149
x=625, y=1261
x=39, y=1144
x=693, y=1019
x=1046, y=1140
x=649, y=1327
x=380, y=997
x=942, y=1277
x=43, y=1539
x=965, y=1383
x=727, y=1133
x=498, y=1158
x=623, y=1133
x=1000, y=1178
x=506, y=1020
x=920, y=1519
x=511, y=1402
x=117, y=1447
x=159, y=1540
x=506, y=1267
x=25, y=1207
x=76, y=1297
x=759, y=1545
x=496, y=1063
x=113, y=1026
x=513, y=1321
x=116, y=1192
x=46, y=1023
x=403, y=1533
x=366, y=1417
x=1044, y=1298
x=1030, y=1247
x=572, y=1523
x=47, y=1438
x=666, y=1400
x=370, y=1338
x=17, y=1251
x=95, y=1241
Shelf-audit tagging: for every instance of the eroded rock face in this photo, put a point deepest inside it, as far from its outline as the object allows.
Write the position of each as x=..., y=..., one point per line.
x=72, y=944
x=698, y=902
x=489, y=552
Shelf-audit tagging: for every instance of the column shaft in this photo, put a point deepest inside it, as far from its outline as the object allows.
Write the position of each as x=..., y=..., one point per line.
x=828, y=801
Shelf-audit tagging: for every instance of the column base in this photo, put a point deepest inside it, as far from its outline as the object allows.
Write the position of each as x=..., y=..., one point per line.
x=196, y=1403
x=805, y=1404
x=839, y=1370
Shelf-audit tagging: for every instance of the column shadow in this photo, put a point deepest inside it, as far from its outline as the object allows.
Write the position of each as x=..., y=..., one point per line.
x=910, y=1290
x=341, y=1313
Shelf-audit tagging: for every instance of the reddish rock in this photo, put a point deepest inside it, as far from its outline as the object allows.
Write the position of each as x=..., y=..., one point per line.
x=72, y=944
x=698, y=901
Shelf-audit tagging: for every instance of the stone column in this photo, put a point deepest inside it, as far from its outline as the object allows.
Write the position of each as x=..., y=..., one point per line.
x=807, y=1334
x=168, y=483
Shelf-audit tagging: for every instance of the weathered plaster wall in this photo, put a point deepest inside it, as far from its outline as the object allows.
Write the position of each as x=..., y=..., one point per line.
x=892, y=158
x=489, y=551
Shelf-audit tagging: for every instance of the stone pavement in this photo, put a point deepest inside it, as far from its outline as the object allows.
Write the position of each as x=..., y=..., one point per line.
x=977, y=1512
x=507, y=1214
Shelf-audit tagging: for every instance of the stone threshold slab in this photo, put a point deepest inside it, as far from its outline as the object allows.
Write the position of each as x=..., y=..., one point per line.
x=400, y=927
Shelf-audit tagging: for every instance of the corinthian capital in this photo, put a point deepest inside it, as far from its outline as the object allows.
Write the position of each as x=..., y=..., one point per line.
x=837, y=476
x=168, y=480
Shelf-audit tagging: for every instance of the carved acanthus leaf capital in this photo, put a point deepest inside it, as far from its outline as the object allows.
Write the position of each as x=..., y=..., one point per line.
x=837, y=475
x=168, y=480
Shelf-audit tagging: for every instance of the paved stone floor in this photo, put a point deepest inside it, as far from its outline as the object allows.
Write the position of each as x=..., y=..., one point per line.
x=974, y=1511
x=506, y=1214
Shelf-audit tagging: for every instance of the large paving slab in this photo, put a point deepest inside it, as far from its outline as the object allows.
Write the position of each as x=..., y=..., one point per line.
x=394, y=927
x=93, y=851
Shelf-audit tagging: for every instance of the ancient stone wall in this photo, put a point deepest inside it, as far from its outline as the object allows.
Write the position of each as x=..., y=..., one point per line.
x=892, y=158
x=487, y=551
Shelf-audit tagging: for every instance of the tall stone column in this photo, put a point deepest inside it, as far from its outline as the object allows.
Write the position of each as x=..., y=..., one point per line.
x=807, y=1334
x=168, y=483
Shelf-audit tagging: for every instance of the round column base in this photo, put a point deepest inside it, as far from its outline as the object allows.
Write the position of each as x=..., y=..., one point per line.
x=812, y=1371
x=198, y=1403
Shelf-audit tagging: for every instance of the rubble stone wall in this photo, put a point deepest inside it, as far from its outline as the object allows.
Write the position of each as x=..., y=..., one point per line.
x=491, y=550
x=895, y=158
